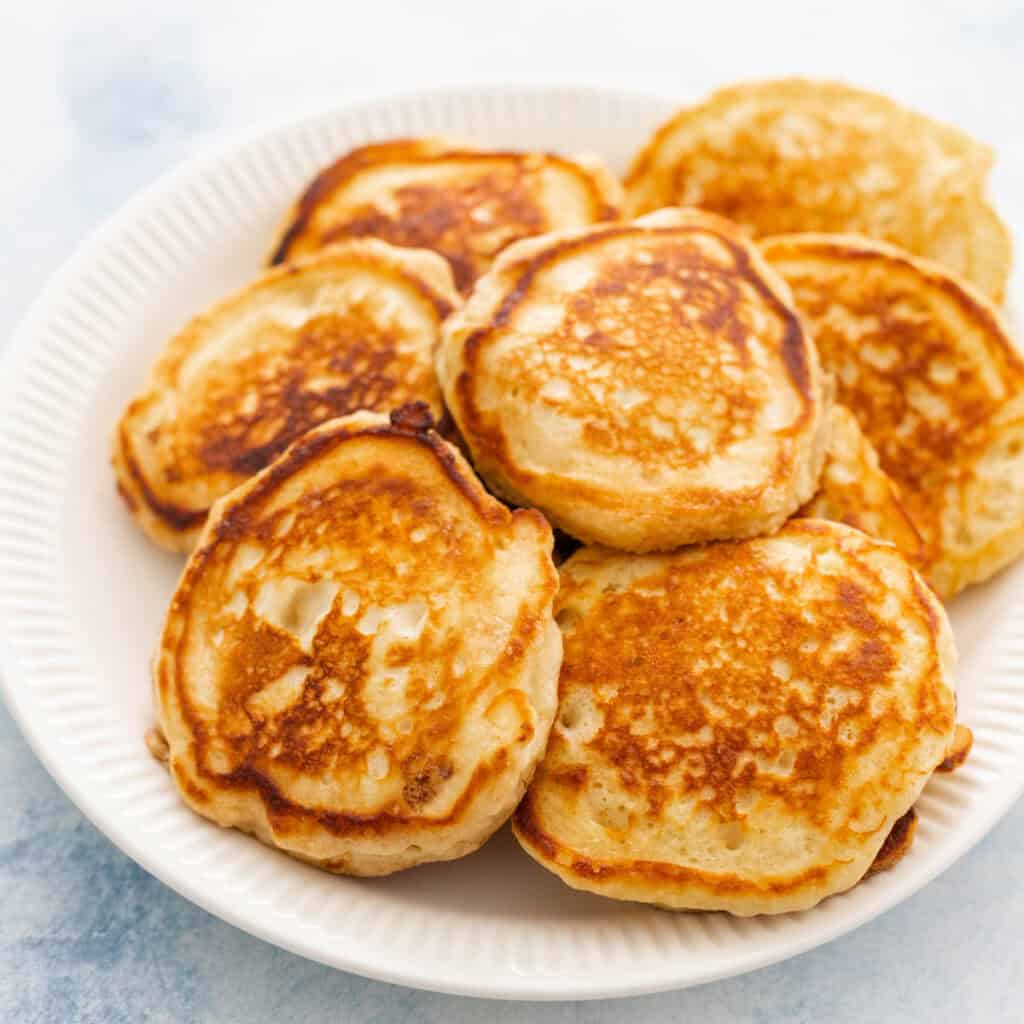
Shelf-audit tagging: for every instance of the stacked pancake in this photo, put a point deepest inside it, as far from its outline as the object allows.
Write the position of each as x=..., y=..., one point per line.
x=460, y=201
x=768, y=457
x=359, y=664
x=741, y=724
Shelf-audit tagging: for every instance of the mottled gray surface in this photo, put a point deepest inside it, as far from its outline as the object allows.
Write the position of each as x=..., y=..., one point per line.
x=96, y=103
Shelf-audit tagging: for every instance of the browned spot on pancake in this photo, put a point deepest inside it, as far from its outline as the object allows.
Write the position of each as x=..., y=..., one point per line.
x=287, y=712
x=813, y=156
x=175, y=516
x=853, y=489
x=156, y=744
x=721, y=678
x=445, y=219
x=914, y=388
x=238, y=518
x=645, y=660
x=661, y=871
x=288, y=816
x=963, y=741
x=414, y=418
x=670, y=302
x=897, y=843
x=477, y=204
x=424, y=777
x=575, y=777
x=529, y=827
x=126, y=497
x=274, y=382
x=373, y=374
x=780, y=200
x=195, y=793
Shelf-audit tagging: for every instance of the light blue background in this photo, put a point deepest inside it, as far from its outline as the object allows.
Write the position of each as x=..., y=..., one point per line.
x=96, y=102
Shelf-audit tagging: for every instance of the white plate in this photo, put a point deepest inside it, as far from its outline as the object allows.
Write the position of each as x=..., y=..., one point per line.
x=82, y=595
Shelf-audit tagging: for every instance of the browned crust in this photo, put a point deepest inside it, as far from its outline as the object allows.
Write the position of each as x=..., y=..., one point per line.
x=132, y=483
x=421, y=151
x=969, y=310
x=912, y=549
x=176, y=518
x=280, y=809
x=793, y=349
x=572, y=864
x=653, y=179
x=528, y=827
x=410, y=424
x=926, y=601
x=795, y=84
x=972, y=303
x=156, y=744
x=963, y=741
x=324, y=439
x=897, y=844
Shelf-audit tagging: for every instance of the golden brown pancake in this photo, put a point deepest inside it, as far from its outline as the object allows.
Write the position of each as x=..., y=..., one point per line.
x=855, y=490
x=360, y=664
x=463, y=202
x=897, y=843
x=740, y=725
x=963, y=741
x=798, y=155
x=352, y=327
x=926, y=365
x=645, y=385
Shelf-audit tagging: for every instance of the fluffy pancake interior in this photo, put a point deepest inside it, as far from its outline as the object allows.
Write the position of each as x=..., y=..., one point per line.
x=359, y=664
x=739, y=726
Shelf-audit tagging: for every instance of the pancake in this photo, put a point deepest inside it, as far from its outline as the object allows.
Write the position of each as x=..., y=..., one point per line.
x=360, y=664
x=797, y=155
x=963, y=741
x=897, y=843
x=645, y=385
x=926, y=365
x=352, y=327
x=463, y=202
x=741, y=725
x=855, y=490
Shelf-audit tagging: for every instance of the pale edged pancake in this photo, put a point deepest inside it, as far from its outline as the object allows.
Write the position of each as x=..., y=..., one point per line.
x=461, y=201
x=351, y=327
x=740, y=725
x=927, y=366
x=359, y=665
x=855, y=490
x=798, y=155
x=644, y=384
